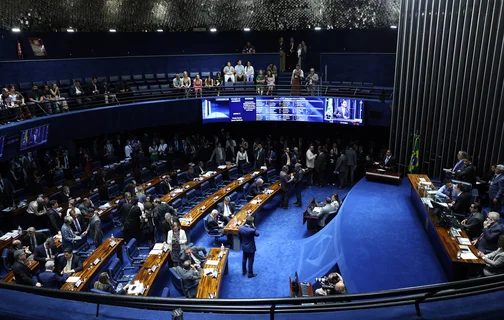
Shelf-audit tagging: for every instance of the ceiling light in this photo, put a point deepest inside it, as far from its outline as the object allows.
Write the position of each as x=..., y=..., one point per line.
x=246, y=29
x=112, y=30
x=70, y=30
x=159, y=30
x=393, y=27
x=213, y=30
x=16, y=30
x=318, y=28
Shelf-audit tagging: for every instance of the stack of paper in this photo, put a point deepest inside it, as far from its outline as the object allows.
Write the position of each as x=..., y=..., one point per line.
x=156, y=251
x=222, y=167
x=316, y=209
x=212, y=262
x=136, y=288
x=105, y=206
x=158, y=246
x=464, y=241
x=72, y=279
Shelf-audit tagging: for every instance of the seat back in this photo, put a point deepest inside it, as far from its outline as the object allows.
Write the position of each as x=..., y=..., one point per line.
x=45, y=232
x=165, y=293
x=145, y=175
x=233, y=196
x=181, y=178
x=55, y=196
x=233, y=173
x=177, y=203
x=132, y=249
x=78, y=173
x=113, y=191
x=95, y=165
x=128, y=181
x=191, y=195
x=205, y=186
x=177, y=281
x=271, y=175
x=205, y=224
x=76, y=187
x=151, y=191
x=59, y=177
x=218, y=180
x=95, y=197
x=115, y=270
x=246, y=167
x=176, y=164
x=7, y=265
x=161, y=168
x=246, y=190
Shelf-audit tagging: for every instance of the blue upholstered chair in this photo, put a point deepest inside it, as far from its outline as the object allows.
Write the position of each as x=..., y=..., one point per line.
x=136, y=255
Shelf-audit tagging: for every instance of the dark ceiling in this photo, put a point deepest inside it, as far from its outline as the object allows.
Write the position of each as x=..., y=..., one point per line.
x=184, y=15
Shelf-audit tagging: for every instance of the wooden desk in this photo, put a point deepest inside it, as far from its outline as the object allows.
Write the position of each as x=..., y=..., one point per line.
x=253, y=207
x=293, y=292
x=32, y=264
x=381, y=175
x=145, y=276
x=192, y=217
x=190, y=185
x=209, y=284
x=104, y=252
x=312, y=220
x=7, y=243
x=439, y=236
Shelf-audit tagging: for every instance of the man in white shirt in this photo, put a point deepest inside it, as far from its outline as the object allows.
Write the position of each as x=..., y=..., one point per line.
x=127, y=150
x=226, y=210
x=310, y=161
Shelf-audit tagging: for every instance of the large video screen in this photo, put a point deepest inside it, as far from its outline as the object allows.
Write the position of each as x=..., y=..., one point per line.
x=303, y=109
x=34, y=137
x=2, y=142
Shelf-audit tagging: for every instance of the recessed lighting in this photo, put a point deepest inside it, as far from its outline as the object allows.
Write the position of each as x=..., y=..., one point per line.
x=159, y=30
x=16, y=30
x=112, y=30
x=318, y=28
x=70, y=30
x=246, y=29
x=393, y=27
x=213, y=30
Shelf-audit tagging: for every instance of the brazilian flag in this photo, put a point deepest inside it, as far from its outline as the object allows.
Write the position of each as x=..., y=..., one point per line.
x=413, y=166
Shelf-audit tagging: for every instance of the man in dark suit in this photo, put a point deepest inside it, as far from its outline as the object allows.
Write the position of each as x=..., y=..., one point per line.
x=33, y=239
x=190, y=175
x=488, y=240
x=285, y=181
x=55, y=220
x=286, y=158
x=196, y=255
x=49, y=279
x=200, y=169
x=6, y=193
x=125, y=199
x=256, y=187
x=467, y=173
x=130, y=187
x=21, y=271
x=320, y=166
x=389, y=162
x=15, y=246
x=213, y=222
x=463, y=202
x=247, y=234
x=64, y=196
x=298, y=184
x=77, y=92
x=473, y=223
x=45, y=252
x=70, y=263
x=341, y=169
x=164, y=227
x=259, y=157
x=496, y=188
x=226, y=210
x=351, y=163
x=132, y=221
x=166, y=186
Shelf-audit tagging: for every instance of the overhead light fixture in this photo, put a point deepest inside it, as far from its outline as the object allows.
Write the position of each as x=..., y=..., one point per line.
x=213, y=30
x=16, y=30
x=246, y=29
x=393, y=27
x=112, y=30
x=70, y=30
x=318, y=28
x=159, y=30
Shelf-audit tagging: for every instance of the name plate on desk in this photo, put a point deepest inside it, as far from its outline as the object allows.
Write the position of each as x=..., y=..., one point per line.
x=112, y=243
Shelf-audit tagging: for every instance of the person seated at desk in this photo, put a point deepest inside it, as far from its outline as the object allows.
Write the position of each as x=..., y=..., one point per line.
x=446, y=193
x=130, y=187
x=87, y=207
x=22, y=272
x=323, y=211
x=463, y=202
x=256, y=187
x=49, y=279
x=33, y=239
x=488, y=240
x=15, y=246
x=226, y=210
x=193, y=255
x=64, y=197
x=200, y=169
x=495, y=260
x=190, y=175
x=166, y=186
x=190, y=276
x=388, y=162
x=70, y=263
x=467, y=173
x=213, y=222
x=331, y=284
x=103, y=284
x=473, y=223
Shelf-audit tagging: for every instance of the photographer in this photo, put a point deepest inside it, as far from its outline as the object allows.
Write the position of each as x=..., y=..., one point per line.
x=331, y=284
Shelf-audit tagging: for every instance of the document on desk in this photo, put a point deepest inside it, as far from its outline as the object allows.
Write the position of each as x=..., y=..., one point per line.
x=316, y=209
x=156, y=251
x=72, y=279
x=421, y=179
x=158, y=246
x=464, y=241
x=466, y=253
x=253, y=201
x=212, y=262
x=105, y=206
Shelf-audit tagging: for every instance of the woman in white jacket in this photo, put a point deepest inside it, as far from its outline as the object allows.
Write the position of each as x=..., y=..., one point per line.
x=249, y=72
x=176, y=241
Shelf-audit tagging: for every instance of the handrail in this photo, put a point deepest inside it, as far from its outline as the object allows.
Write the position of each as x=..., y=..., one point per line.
x=380, y=299
x=11, y=114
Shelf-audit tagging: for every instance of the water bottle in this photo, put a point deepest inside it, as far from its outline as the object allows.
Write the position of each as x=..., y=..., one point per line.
x=112, y=236
x=20, y=230
x=222, y=248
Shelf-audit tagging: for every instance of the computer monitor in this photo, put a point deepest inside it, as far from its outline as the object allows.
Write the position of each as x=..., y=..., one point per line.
x=34, y=137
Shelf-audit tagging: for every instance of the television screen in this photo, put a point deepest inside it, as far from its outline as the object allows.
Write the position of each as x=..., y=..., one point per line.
x=2, y=141
x=302, y=109
x=344, y=111
x=34, y=137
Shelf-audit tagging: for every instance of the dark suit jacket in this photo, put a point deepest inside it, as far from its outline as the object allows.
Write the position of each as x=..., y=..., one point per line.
x=467, y=174
x=259, y=159
x=320, y=162
x=190, y=176
x=298, y=177
x=73, y=91
x=463, y=203
x=23, y=274
x=489, y=241
x=220, y=207
x=196, y=252
x=82, y=223
x=496, y=189
x=391, y=163
x=7, y=195
x=132, y=221
x=284, y=159
x=284, y=181
x=473, y=225
x=124, y=211
x=63, y=198
x=51, y=280
x=255, y=189
x=40, y=255
x=130, y=188
x=199, y=170
x=40, y=239
x=247, y=236
x=55, y=221
x=212, y=223
x=164, y=228
x=76, y=263
x=94, y=230
x=165, y=188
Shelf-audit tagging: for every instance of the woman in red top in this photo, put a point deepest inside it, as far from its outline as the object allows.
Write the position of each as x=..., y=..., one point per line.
x=198, y=84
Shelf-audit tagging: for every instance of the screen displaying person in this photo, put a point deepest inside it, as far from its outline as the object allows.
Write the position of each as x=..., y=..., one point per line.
x=343, y=111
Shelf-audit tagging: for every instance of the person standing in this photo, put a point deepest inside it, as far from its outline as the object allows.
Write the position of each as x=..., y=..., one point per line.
x=247, y=234
x=351, y=163
x=298, y=183
x=297, y=75
x=496, y=188
x=281, y=50
x=341, y=169
x=310, y=161
x=285, y=180
x=320, y=167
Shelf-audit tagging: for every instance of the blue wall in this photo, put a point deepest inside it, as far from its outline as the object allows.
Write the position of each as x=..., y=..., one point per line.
x=42, y=70
x=377, y=68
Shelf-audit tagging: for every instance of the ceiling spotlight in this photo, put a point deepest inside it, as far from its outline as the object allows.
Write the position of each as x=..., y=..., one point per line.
x=246, y=29
x=159, y=30
x=318, y=28
x=112, y=30
x=393, y=27
x=16, y=30
x=70, y=30
x=213, y=30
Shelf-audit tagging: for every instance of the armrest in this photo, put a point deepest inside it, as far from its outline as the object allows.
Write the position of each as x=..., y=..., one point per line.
x=129, y=268
x=143, y=248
